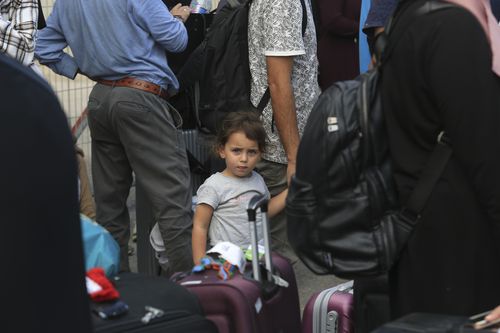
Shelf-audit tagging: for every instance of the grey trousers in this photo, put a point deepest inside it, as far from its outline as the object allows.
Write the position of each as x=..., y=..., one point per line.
x=274, y=175
x=135, y=131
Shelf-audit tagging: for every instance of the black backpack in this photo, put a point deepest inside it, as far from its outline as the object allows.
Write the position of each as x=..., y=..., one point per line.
x=219, y=68
x=342, y=209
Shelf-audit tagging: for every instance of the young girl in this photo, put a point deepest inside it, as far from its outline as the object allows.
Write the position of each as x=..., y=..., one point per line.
x=222, y=199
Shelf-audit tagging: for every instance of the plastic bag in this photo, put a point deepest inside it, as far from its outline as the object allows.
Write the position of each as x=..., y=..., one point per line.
x=100, y=248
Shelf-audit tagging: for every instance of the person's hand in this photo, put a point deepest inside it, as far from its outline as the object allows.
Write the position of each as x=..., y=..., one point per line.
x=290, y=171
x=78, y=71
x=181, y=12
x=494, y=315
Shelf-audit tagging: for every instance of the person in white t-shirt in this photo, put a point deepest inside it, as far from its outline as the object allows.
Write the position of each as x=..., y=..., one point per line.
x=282, y=58
x=220, y=213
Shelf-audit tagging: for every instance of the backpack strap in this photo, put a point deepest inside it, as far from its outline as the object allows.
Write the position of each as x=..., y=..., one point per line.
x=41, y=18
x=304, y=17
x=431, y=173
x=264, y=100
x=316, y=17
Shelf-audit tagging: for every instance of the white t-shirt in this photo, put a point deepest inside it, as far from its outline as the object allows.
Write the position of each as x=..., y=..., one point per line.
x=275, y=29
x=229, y=197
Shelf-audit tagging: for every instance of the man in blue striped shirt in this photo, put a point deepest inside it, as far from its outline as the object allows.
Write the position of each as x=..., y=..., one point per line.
x=121, y=45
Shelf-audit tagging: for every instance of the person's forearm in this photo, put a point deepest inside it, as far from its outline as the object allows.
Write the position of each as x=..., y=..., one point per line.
x=199, y=243
x=166, y=30
x=285, y=119
x=174, y=37
x=65, y=66
x=277, y=203
x=50, y=46
x=283, y=103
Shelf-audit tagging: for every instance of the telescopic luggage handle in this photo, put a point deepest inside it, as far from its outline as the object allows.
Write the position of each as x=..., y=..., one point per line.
x=260, y=201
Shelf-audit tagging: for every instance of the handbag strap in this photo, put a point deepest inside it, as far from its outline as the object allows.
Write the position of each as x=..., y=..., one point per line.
x=431, y=173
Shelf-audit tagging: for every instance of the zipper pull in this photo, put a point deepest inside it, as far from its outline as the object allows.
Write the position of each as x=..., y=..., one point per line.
x=151, y=313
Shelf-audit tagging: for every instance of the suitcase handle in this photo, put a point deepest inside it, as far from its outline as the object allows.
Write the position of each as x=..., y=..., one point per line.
x=260, y=201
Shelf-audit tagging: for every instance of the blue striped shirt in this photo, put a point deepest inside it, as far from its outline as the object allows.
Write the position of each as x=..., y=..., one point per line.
x=112, y=39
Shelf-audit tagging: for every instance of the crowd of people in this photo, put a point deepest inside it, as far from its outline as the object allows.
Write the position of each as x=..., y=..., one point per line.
x=443, y=74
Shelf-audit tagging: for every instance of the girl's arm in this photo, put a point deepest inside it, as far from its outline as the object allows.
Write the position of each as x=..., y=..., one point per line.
x=277, y=203
x=201, y=223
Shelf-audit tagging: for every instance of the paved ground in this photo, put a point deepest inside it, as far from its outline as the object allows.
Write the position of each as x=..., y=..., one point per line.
x=308, y=283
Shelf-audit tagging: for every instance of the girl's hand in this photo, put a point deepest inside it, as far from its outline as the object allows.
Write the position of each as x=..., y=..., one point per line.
x=494, y=315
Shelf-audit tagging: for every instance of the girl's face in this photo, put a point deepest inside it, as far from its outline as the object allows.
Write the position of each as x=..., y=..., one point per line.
x=241, y=155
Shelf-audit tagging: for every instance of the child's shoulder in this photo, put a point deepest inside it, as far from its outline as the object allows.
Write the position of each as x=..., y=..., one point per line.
x=218, y=179
x=257, y=176
x=215, y=178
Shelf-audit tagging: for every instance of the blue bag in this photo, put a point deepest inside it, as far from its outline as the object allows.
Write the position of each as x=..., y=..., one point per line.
x=100, y=248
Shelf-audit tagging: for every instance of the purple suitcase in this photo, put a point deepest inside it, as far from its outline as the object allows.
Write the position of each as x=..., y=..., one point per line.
x=250, y=303
x=330, y=311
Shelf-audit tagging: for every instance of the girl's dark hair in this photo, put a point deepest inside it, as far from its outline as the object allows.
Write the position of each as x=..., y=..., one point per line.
x=248, y=122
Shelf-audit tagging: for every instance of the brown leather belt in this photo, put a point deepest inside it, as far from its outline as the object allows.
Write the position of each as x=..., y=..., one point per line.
x=137, y=84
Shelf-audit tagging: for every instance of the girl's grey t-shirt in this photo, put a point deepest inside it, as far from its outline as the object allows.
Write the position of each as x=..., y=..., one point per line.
x=229, y=197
